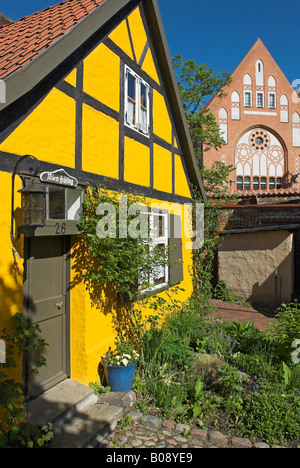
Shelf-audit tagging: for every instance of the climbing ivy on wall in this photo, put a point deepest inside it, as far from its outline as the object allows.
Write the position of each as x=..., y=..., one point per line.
x=115, y=232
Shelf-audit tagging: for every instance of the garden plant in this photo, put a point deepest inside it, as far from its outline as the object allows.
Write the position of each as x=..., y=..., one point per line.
x=224, y=375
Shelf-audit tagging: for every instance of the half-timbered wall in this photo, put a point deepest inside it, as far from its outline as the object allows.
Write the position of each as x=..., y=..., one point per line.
x=80, y=125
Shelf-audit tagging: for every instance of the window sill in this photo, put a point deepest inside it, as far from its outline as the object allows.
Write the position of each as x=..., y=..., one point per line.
x=136, y=130
x=146, y=293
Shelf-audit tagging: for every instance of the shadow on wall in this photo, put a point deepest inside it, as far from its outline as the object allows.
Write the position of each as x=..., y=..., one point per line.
x=273, y=291
x=11, y=287
x=258, y=267
x=103, y=298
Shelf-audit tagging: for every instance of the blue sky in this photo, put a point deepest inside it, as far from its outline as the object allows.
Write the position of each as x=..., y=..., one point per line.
x=216, y=32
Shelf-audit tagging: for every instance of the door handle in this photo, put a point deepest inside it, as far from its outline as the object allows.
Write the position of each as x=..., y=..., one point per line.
x=59, y=305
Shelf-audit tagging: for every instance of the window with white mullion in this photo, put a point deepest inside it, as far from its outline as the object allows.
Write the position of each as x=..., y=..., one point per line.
x=131, y=99
x=247, y=98
x=143, y=109
x=159, y=240
x=137, y=102
x=272, y=102
x=259, y=100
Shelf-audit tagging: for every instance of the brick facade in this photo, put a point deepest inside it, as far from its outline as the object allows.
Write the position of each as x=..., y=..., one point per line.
x=260, y=121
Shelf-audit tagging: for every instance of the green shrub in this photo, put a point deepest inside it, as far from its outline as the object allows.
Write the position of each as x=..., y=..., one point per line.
x=285, y=329
x=219, y=341
x=230, y=380
x=168, y=395
x=192, y=372
x=270, y=414
x=206, y=366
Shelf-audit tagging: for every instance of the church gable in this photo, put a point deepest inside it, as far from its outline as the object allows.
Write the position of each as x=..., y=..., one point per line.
x=258, y=122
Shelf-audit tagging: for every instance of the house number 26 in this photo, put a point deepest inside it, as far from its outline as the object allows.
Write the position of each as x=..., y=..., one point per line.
x=60, y=228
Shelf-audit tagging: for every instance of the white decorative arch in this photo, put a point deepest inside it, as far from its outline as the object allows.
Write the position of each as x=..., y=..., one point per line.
x=259, y=73
x=259, y=154
x=247, y=80
x=271, y=82
x=235, y=106
x=223, y=124
x=284, y=109
x=296, y=129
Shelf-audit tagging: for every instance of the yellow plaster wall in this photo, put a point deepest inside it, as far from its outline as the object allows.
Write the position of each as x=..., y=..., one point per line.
x=149, y=67
x=48, y=133
x=92, y=330
x=120, y=37
x=162, y=126
x=11, y=269
x=101, y=76
x=137, y=162
x=100, y=143
x=162, y=172
x=138, y=33
x=72, y=78
x=181, y=183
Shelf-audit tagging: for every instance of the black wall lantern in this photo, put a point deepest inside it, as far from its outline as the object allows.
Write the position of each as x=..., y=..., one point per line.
x=33, y=200
x=33, y=205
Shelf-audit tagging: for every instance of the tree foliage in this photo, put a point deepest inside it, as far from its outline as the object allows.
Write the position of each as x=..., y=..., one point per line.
x=196, y=84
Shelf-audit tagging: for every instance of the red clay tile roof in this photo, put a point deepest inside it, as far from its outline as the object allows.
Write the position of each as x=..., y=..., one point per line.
x=23, y=40
x=283, y=192
x=269, y=193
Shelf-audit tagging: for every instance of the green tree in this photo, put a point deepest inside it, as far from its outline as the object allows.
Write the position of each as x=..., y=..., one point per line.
x=196, y=84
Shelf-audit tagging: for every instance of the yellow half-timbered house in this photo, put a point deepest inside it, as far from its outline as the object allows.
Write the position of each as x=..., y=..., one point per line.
x=89, y=98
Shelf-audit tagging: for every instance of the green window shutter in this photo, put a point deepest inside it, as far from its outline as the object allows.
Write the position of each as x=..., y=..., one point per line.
x=175, y=244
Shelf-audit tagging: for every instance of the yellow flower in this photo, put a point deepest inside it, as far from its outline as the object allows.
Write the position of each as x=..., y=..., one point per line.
x=283, y=395
x=40, y=442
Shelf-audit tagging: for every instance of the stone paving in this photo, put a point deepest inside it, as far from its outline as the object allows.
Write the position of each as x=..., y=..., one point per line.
x=146, y=431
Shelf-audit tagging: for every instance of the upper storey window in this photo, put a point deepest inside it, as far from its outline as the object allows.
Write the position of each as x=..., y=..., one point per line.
x=136, y=102
x=247, y=90
x=259, y=72
x=259, y=100
x=272, y=92
x=247, y=98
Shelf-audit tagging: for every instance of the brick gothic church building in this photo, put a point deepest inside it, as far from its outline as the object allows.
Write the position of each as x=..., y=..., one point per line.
x=260, y=122
x=259, y=119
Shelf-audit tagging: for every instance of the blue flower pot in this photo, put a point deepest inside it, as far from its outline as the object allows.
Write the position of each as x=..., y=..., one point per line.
x=120, y=378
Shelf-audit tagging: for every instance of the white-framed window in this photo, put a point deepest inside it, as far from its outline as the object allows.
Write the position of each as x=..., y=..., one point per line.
x=260, y=100
x=159, y=229
x=159, y=233
x=256, y=183
x=63, y=203
x=272, y=101
x=239, y=183
x=137, y=107
x=247, y=98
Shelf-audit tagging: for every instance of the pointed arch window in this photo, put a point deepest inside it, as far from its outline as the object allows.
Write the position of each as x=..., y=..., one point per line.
x=284, y=109
x=296, y=129
x=272, y=92
x=223, y=124
x=247, y=90
x=259, y=160
x=259, y=73
x=235, y=106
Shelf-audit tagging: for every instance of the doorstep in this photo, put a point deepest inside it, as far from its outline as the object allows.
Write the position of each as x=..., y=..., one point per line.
x=78, y=416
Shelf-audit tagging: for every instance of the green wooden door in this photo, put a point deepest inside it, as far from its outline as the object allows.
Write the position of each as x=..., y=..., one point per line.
x=47, y=306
